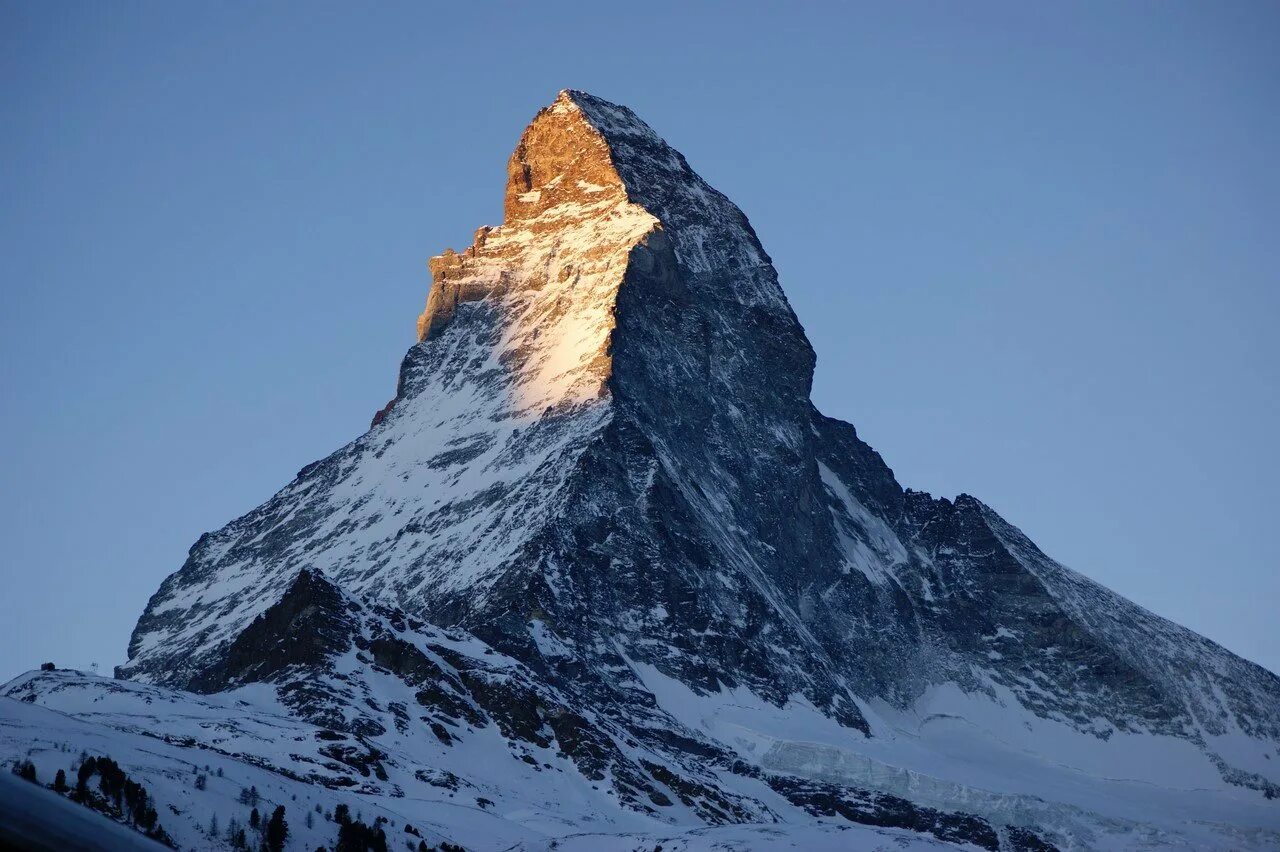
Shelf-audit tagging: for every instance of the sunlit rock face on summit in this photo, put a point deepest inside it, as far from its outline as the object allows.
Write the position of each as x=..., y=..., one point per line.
x=602, y=464
x=554, y=266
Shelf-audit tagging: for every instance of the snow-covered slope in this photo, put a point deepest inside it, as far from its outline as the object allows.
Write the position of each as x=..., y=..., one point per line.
x=602, y=565
x=943, y=778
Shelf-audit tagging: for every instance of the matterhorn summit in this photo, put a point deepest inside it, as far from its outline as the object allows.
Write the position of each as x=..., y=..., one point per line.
x=601, y=576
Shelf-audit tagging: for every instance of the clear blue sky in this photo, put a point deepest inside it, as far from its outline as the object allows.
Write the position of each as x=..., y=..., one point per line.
x=1035, y=246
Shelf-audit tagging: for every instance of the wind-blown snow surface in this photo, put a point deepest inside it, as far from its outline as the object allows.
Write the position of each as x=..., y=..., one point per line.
x=601, y=565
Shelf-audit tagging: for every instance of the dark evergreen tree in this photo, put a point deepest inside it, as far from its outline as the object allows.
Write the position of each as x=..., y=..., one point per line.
x=60, y=782
x=277, y=830
x=83, y=774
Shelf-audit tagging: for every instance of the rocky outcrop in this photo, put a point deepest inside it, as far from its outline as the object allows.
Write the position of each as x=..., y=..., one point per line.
x=304, y=628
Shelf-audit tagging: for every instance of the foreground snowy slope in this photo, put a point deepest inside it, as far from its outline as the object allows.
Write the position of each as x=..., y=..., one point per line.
x=600, y=568
x=34, y=818
x=937, y=779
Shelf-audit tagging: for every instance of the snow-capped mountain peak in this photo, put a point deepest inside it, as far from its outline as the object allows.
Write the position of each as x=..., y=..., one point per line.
x=602, y=565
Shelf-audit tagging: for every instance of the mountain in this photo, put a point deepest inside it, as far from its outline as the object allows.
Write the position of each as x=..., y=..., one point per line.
x=601, y=571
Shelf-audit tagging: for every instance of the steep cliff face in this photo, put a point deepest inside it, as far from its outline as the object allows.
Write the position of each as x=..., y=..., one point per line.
x=603, y=466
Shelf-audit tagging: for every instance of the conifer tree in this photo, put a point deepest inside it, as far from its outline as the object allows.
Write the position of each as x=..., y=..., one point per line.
x=277, y=830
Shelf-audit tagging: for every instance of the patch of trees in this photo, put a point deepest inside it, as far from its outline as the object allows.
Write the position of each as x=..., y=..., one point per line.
x=115, y=795
x=237, y=837
x=26, y=770
x=267, y=833
x=422, y=844
x=355, y=836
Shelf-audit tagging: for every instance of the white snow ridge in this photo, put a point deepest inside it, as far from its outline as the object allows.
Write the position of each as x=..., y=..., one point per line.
x=601, y=577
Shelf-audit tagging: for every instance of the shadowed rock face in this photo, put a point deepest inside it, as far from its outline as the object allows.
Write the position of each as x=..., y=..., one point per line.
x=308, y=624
x=601, y=455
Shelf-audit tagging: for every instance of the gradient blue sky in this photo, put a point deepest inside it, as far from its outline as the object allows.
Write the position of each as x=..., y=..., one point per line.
x=1035, y=247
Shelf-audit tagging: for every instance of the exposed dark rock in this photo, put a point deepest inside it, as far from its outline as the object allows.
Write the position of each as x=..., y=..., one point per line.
x=881, y=809
x=1025, y=840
